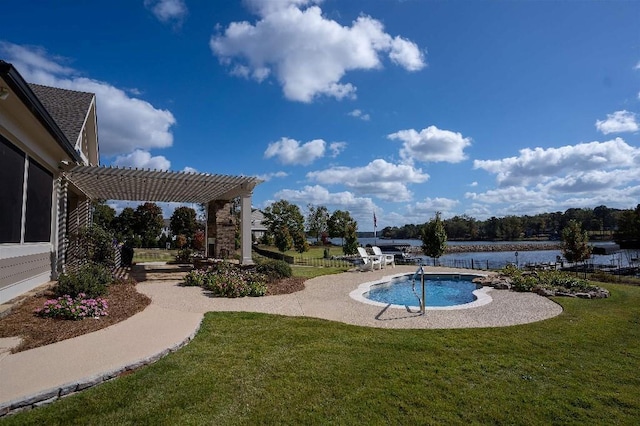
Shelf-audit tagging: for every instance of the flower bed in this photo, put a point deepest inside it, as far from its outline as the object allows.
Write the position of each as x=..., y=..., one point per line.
x=80, y=307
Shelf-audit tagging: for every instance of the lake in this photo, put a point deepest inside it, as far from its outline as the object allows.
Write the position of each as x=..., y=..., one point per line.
x=498, y=259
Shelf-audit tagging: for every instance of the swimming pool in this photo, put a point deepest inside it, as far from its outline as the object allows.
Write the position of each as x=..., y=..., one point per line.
x=443, y=291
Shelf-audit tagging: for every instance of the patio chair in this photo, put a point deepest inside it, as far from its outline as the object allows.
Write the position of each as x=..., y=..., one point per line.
x=369, y=262
x=385, y=259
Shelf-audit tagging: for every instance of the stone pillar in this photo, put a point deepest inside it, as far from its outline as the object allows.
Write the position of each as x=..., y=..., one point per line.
x=221, y=229
x=245, y=230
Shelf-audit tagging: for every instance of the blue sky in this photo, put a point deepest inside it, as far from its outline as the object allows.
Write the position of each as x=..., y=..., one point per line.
x=402, y=107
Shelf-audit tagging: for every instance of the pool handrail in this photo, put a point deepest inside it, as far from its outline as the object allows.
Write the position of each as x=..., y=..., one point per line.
x=413, y=282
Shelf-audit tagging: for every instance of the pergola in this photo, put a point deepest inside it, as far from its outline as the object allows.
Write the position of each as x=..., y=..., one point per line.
x=214, y=191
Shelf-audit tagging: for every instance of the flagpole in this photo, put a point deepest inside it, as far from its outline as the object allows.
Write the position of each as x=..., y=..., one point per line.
x=375, y=229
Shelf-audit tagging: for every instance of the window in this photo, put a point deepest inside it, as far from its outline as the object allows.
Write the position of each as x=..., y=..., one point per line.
x=12, y=178
x=38, y=201
x=39, y=194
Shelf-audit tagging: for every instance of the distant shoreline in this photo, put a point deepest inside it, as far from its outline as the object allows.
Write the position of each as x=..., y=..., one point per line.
x=475, y=248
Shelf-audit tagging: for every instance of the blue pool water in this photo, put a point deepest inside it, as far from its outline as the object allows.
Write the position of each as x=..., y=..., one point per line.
x=440, y=291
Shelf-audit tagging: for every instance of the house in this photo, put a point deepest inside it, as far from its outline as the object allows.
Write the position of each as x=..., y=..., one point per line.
x=41, y=130
x=257, y=227
x=50, y=172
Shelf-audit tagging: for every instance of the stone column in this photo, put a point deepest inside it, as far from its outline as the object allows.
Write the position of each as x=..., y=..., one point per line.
x=221, y=229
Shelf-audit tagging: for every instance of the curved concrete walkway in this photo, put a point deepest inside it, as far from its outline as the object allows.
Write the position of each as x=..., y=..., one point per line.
x=42, y=375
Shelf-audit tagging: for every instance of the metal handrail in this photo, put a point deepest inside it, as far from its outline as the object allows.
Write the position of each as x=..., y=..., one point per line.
x=413, y=282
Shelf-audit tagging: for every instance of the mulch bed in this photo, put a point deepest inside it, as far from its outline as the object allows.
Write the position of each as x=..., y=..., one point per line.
x=124, y=302
x=286, y=286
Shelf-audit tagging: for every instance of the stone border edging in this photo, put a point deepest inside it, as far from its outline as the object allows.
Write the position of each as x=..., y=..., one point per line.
x=48, y=396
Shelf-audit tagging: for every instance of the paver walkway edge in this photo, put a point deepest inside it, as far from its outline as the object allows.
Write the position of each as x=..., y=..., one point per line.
x=43, y=374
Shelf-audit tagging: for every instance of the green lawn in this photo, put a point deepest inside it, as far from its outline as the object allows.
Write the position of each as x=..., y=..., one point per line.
x=309, y=272
x=243, y=368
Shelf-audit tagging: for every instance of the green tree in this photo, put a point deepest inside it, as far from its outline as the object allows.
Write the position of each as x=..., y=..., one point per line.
x=493, y=229
x=512, y=228
x=148, y=223
x=628, y=233
x=350, y=238
x=338, y=224
x=282, y=214
x=434, y=238
x=300, y=242
x=123, y=225
x=283, y=239
x=575, y=243
x=317, y=221
x=183, y=222
x=103, y=215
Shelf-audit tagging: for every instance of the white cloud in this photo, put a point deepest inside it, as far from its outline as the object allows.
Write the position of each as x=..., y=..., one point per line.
x=268, y=176
x=142, y=160
x=432, y=205
x=540, y=165
x=290, y=151
x=514, y=201
x=385, y=180
x=124, y=123
x=555, y=179
x=336, y=148
x=431, y=145
x=618, y=122
x=306, y=52
x=188, y=169
x=592, y=181
x=168, y=11
x=615, y=188
x=361, y=208
x=359, y=114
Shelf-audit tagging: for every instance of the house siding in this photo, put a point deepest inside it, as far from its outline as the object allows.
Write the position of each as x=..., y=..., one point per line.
x=22, y=270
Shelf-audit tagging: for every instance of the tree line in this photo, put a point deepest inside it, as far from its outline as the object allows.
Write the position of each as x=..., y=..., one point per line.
x=599, y=222
x=287, y=227
x=142, y=226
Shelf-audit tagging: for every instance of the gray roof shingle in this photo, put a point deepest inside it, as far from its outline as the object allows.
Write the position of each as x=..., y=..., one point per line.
x=68, y=108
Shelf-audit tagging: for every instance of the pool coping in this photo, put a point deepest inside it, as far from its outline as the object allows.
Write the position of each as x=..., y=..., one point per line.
x=482, y=296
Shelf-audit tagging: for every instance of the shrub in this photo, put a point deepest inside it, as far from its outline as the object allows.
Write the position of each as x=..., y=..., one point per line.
x=184, y=255
x=552, y=280
x=80, y=307
x=90, y=279
x=96, y=245
x=195, y=278
x=230, y=281
x=275, y=269
x=524, y=282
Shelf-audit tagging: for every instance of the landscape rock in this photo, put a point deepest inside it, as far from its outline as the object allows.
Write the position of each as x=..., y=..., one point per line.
x=499, y=282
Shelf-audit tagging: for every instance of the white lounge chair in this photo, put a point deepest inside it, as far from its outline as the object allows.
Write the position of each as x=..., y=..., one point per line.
x=385, y=259
x=369, y=262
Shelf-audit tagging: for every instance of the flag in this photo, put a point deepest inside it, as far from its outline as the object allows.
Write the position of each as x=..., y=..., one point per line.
x=375, y=221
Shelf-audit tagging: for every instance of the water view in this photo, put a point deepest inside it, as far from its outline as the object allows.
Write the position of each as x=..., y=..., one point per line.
x=497, y=259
